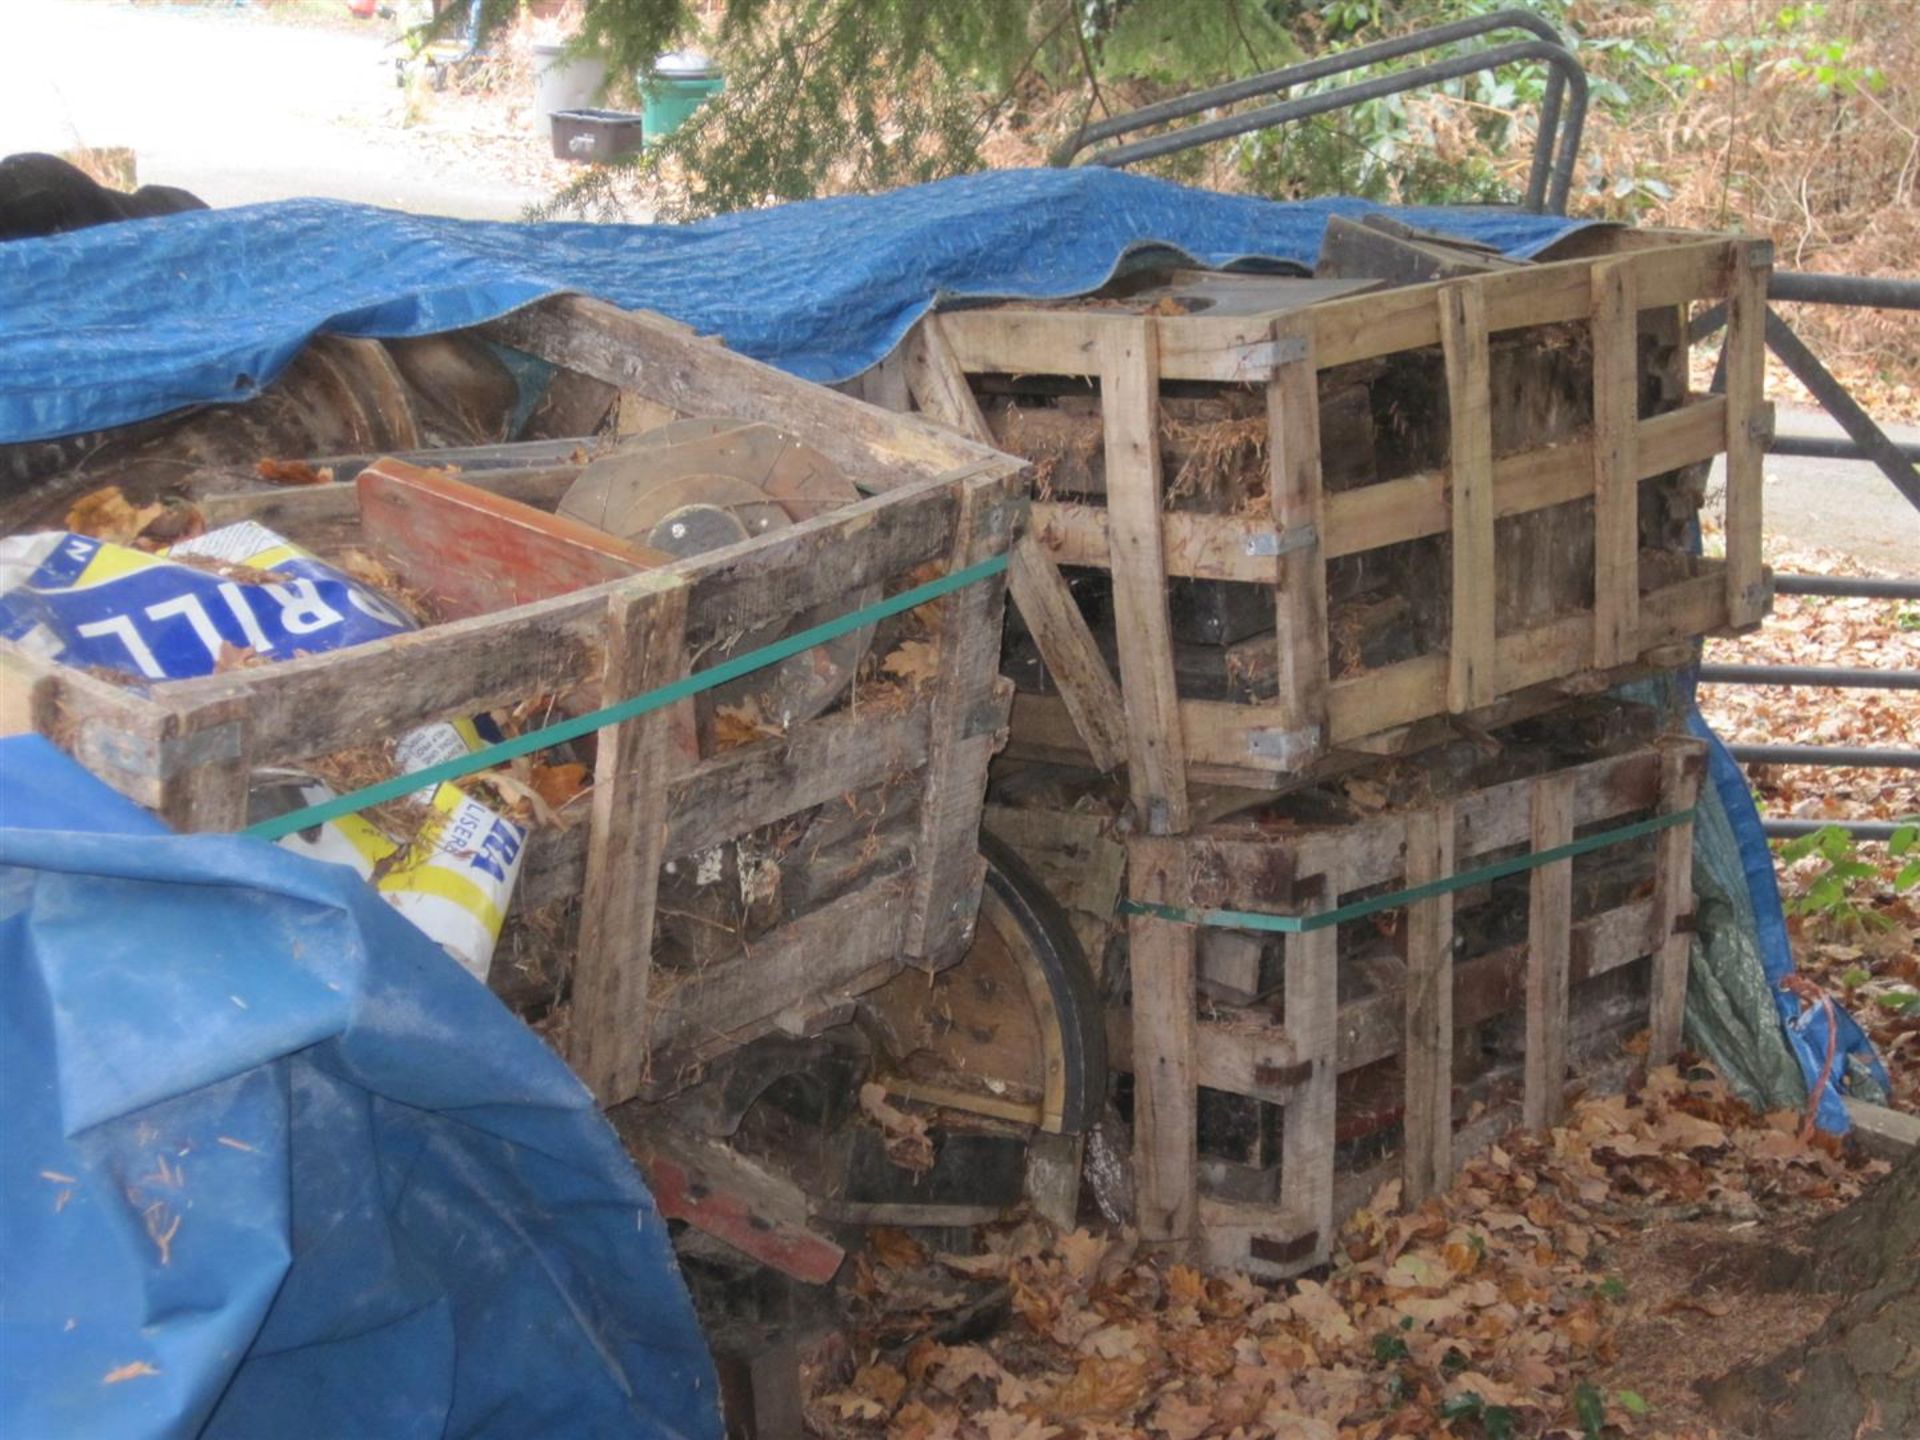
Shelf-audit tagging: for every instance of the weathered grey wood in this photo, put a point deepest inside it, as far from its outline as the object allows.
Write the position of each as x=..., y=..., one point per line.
x=1681, y=765
x=209, y=763
x=1165, y=1125
x=612, y=968
x=315, y=704
x=1616, y=495
x=843, y=948
x=114, y=730
x=1129, y=388
x=1307, y=1123
x=641, y=352
x=1889, y=1134
x=1073, y=658
x=1471, y=676
x=964, y=731
x=1427, y=1053
x=1549, y=953
x=1297, y=501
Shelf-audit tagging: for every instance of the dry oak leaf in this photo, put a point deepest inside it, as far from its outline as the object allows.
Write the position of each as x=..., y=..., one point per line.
x=1081, y=1252
x=1313, y=1306
x=293, y=472
x=917, y=1421
x=106, y=514
x=557, y=784
x=1098, y=1387
x=915, y=661
x=1008, y=1425
x=905, y=1136
x=881, y=1384
x=1178, y=1418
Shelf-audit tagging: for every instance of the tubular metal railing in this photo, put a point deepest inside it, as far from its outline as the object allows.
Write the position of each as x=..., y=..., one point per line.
x=1548, y=182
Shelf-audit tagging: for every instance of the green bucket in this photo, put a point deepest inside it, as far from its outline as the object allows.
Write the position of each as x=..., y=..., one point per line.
x=682, y=81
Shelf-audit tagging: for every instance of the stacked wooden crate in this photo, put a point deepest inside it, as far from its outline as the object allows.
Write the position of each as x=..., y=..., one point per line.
x=642, y=1020
x=1319, y=527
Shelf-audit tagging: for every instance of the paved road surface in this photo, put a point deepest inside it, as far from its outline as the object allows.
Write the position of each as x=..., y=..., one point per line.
x=233, y=107
x=1843, y=505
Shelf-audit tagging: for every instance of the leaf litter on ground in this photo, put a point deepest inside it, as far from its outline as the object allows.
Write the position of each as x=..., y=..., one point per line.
x=1495, y=1309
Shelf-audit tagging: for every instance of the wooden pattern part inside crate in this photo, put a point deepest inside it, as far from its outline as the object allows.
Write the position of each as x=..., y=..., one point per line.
x=936, y=503
x=1166, y=735
x=1174, y=1046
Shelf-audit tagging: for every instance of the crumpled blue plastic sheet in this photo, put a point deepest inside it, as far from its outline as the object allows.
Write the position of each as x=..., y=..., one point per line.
x=122, y=322
x=1807, y=1026
x=274, y=1165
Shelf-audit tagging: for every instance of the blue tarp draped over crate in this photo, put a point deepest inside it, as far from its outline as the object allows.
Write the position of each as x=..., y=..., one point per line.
x=105, y=326
x=273, y=1164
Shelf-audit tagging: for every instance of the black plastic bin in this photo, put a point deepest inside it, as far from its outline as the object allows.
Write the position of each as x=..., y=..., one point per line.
x=589, y=135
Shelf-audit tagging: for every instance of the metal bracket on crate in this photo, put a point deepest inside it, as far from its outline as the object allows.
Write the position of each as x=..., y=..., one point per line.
x=1260, y=359
x=1289, y=747
x=1281, y=542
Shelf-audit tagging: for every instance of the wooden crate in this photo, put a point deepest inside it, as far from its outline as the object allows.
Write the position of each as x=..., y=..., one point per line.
x=936, y=503
x=1548, y=968
x=1510, y=462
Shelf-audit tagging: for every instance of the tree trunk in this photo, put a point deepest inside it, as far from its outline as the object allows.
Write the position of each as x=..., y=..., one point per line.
x=1859, y=1373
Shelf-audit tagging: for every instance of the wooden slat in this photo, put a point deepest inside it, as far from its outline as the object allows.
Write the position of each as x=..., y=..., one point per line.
x=1165, y=1103
x=963, y=732
x=1746, y=377
x=477, y=553
x=1382, y=323
x=316, y=704
x=844, y=948
x=1307, y=1123
x=1300, y=575
x=1681, y=766
x=742, y=789
x=116, y=732
x=1130, y=401
x=1387, y=513
x=1427, y=1050
x=1549, y=954
x=1073, y=659
x=1616, y=495
x=614, y=960
x=1471, y=679
x=939, y=386
x=938, y=382
x=664, y=362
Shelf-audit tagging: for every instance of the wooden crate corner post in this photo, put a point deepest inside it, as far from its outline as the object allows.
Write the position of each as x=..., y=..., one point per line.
x=1130, y=410
x=646, y=648
x=1748, y=427
x=1308, y=1122
x=1427, y=1054
x=1549, y=953
x=964, y=732
x=1682, y=767
x=1165, y=1073
x=1472, y=680
x=1297, y=501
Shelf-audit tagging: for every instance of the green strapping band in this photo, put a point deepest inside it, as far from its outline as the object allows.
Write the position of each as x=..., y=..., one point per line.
x=1498, y=869
x=573, y=729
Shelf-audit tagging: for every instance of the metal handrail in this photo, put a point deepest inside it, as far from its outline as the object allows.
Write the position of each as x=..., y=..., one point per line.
x=1549, y=180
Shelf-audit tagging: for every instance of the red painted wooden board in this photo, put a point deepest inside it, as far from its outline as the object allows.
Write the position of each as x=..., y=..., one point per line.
x=471, y=552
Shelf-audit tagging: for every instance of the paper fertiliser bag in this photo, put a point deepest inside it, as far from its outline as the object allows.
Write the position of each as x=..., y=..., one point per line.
x=89, y=602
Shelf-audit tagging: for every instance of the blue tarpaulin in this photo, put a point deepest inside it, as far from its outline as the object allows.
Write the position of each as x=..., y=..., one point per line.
x=122, y=322
x=274, y=1164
